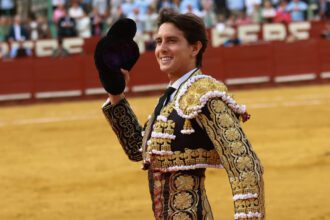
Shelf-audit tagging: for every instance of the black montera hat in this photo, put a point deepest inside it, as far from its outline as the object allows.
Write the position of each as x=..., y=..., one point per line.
x=114, y=51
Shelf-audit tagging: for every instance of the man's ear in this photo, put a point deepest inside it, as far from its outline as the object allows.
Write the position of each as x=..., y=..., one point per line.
x=197, y=47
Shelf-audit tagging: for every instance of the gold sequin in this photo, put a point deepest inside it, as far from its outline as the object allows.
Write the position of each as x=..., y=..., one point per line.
x=181, y=216
x=200, y=87
x=218, y=106
x=237, y=148
x=225, y=121
x=244, y=163
x=183, y=200
x=184, y=182
x=236, y=154
x=232, y=134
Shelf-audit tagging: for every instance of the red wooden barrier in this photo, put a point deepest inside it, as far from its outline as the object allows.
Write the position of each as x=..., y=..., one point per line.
x=266, y=63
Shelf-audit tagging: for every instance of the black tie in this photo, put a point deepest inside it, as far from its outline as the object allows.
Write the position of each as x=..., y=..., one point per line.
x=163, y=100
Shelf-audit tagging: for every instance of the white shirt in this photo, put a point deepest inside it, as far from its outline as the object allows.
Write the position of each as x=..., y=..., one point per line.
x=18, y=33
x=179, y=82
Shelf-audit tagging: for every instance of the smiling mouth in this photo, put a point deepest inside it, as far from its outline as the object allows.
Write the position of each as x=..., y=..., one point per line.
x=165, y=59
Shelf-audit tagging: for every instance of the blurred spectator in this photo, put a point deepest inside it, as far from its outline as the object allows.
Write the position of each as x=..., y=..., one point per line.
x=231, y=21
x=143, y=5
x=256, y=16
x=190, y=9
x=38, y=27
x=33, y=27
x=60, y=51
x=101, y=6
x=235, y=6
x=150, y=21
x=7, y=8
x=138, y=18
x=16, y=37
x=66, y=26
x=127, y=7
x=282, y=15
x=323, y=9
x=233, y=40
x=297, y=9
x=58, y=13
x=221, y=7
x=268, y=12
x=209, y=16
x=114, y=6
x=326, y=33
x=275, y=3
x=243, y=19
x=56, y=3
x=250, y=5
x=86, y=5
x=43, y=28
x=4, y=27
x=150, y=27
x=175, y=4
x=75, y=11
x=221, y=23
x=194, y=4
x=84, y=26
x=96, y=23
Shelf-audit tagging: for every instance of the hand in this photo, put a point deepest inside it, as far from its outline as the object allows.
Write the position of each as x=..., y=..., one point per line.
x=114, y=99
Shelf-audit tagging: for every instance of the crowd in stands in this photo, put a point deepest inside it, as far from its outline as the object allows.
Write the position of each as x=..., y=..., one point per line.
x=86, y=18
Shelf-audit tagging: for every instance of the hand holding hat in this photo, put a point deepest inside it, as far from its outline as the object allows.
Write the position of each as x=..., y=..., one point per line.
x=114, y=52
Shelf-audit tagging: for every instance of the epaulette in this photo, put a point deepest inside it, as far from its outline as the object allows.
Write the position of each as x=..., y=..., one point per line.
x=195, y=93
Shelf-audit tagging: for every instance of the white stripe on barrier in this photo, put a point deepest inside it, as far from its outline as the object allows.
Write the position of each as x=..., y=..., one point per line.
x=325, y=75
x=247, y=80
x=294, y=78
x=146, y=88
x=58, y=94
x=95, y=91
x=17, y=96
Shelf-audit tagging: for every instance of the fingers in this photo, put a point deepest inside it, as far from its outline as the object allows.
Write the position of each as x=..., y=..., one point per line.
x=126, y=75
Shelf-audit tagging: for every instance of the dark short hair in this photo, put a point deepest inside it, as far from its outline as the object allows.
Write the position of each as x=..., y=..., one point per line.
x=192, y=27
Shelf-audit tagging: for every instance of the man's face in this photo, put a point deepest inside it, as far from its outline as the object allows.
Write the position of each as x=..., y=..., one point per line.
x=174, y=54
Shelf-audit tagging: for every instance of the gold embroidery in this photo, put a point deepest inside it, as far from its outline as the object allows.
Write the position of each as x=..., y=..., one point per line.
x=166, y=111
x=251, y=204
x=244, y=163
x=226, y=120
x=183, y=200
x=181, y=216
x=186, y=158
x=232, y=134
x=127, y=128
x=218, y=106
x=191, y=98
x=237, y=148
x=162, y=143
x=236, y=155
x=184, y=182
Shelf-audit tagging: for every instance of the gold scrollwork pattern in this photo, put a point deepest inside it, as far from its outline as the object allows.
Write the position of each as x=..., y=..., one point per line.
x=189, y=157
x=126, y=126
x=236, y=155
x=184, y=198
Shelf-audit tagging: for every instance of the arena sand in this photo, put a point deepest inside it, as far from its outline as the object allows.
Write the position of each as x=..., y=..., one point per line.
x=61, y=161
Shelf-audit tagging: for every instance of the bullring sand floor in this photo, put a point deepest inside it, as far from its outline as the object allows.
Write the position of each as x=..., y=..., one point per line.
x=61, y=161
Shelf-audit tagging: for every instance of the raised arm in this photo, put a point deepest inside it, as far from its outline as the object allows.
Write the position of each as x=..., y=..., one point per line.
x=238, y=158
x=126, y=126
